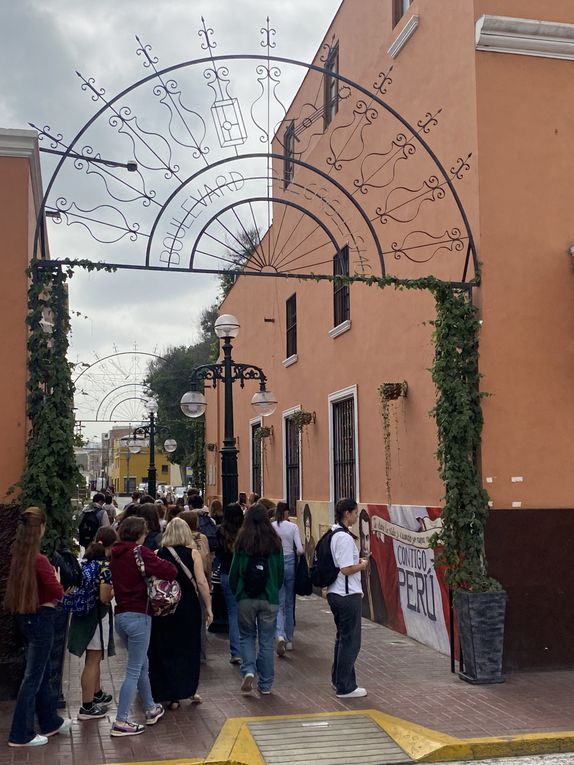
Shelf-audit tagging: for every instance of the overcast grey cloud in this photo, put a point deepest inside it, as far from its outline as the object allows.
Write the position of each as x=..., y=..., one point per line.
x=43, y=43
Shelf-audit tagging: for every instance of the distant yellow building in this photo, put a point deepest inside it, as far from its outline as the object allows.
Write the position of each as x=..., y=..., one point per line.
x=129, y=470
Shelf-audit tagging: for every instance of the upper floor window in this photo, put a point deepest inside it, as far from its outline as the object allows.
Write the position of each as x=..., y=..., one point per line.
x=341, y=292
x=400, y=7
x=331, y=85
x=291, y=325
x=289, y=149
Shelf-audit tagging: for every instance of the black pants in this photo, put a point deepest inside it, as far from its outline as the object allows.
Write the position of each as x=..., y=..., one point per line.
x=347, y=612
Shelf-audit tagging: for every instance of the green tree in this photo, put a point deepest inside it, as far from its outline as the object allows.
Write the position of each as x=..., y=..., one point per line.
x=244, y=244
x=168, y=379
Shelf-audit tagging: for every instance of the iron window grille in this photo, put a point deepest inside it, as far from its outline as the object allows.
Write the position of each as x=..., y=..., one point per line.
x=292, y=464
x=341, y=292
x=256, y=464
x=400, y=7
x=331, y=85
x=291, y=324
x=344, y=457
x=289, y=148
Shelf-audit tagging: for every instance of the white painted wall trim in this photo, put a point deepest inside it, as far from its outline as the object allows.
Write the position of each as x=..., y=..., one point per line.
x=254, y=421
x=344, y=326
x=339, y=395
x=285, y=416
x=24, y=143
x=404, y=36
x=525, y=37
x=290, y=360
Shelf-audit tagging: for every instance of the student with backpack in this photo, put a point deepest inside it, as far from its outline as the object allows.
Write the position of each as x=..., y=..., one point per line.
x=92, y=517
x=91, y=625
x=255, y=577
x=336, y=565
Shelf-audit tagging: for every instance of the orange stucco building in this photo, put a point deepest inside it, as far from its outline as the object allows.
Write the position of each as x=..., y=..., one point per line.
x=497, y=75
x=20, y=198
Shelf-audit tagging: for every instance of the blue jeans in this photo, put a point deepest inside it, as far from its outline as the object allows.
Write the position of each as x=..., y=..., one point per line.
x=285, y=616
x=257, y=619
x=36, y=694
x=134, y=630
x=231, y=603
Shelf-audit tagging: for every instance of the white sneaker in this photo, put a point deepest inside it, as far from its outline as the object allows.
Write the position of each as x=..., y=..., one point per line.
x=64, y=728
x=38, y=740
x=356, y=694
x=281, y=646
x=247, y=684
x=289, y=646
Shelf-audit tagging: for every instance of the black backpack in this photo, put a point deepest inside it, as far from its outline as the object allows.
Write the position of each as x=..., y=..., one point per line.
x=323, y=569
x=89, y=525
x=255, y=575
x=70, y=569
x=208, y=527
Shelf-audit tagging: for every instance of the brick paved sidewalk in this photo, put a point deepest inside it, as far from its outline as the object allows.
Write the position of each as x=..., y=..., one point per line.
x=403, y=678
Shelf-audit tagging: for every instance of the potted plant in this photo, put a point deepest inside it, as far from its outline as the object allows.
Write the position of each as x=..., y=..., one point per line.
x=301, y=419
x=479, y=600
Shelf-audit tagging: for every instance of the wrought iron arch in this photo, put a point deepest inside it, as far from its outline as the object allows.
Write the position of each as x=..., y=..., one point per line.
x=113, y=355
x=114, y=390
x=437, y=185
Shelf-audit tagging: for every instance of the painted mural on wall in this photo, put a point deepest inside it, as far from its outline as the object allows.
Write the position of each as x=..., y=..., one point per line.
x=402, y=589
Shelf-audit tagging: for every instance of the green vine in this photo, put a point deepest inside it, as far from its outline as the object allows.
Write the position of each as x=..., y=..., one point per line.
x=50, y=475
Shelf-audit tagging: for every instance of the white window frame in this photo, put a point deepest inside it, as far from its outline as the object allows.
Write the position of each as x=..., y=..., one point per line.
x=285, y=416
x=255, y=421
x=339, y=395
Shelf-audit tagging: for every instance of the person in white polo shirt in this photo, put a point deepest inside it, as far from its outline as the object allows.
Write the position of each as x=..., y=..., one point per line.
x=345, y=597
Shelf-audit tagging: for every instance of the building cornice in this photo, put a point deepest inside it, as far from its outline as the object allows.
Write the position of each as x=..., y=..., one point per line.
x=24, y=143
x=525, y=37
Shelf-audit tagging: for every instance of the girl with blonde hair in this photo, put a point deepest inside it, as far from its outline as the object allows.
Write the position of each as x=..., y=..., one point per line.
x=175, y=645
x=32, y=592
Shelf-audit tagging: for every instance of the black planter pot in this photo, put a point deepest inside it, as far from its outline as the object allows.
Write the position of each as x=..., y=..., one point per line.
x=480, y=617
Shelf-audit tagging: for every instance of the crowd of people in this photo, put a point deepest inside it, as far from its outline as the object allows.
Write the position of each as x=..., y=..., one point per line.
x=154, y=552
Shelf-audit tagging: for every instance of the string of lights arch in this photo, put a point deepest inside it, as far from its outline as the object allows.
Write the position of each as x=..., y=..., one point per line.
x=396, y=178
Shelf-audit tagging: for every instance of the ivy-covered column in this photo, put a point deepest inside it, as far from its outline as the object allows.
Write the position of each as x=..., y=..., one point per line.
x=458, y=415
x=50, y=475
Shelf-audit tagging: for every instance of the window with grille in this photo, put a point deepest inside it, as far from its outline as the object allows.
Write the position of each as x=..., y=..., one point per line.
x=289, y=148
x=400, y=7
x=291, y=325
x=341, y=292
x=331, y=85
x=256, y=465
x=164, y=468
x=292, y=465
x=344, y=457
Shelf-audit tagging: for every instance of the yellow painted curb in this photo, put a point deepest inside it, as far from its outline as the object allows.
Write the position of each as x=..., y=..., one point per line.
x=236, y=746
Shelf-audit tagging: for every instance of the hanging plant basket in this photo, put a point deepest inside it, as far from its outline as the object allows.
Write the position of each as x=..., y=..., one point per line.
x=260, y=434
x=301, y=419
x=211, y=447
x=391, y=391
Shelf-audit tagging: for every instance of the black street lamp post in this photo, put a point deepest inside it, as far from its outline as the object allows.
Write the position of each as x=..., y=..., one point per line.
x=227, y=371
x=150, y=432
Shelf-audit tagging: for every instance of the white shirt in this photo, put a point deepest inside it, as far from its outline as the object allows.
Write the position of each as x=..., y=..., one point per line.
x=345, y=553
x=289, y=533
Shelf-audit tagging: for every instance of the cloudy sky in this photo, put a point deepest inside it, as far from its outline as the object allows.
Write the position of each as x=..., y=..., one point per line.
x=42, y=44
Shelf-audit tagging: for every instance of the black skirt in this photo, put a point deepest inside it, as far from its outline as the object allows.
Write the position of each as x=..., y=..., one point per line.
x=175, y=644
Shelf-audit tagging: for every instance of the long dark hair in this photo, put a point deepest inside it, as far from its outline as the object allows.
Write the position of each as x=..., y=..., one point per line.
x=232, y=522
x=22, y=586
x=149, y=513
x=280, y=510
x=257, y=536
x=105, y=537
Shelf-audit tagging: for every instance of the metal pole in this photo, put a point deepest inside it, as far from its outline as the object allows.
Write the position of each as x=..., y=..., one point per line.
x=229, y=478
x=151, y=472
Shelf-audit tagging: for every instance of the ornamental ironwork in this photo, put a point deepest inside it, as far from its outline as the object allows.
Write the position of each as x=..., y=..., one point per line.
x=203, y=166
